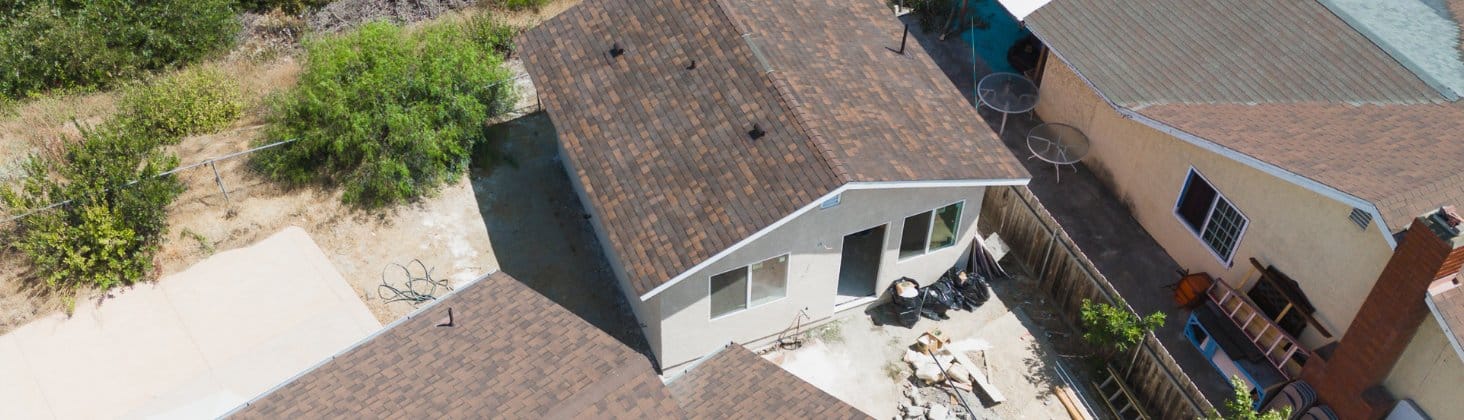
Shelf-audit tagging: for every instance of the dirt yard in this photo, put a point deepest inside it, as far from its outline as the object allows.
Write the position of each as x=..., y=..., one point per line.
x=445, y=231
x=859, y=361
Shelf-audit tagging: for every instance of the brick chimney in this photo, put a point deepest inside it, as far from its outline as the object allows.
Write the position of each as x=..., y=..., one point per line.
x=1350, y=381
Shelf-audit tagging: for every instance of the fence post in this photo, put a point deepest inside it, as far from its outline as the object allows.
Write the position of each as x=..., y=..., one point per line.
x=219, y=180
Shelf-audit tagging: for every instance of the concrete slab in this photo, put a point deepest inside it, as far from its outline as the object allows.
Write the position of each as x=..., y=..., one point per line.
x=860, y=362
x=194, y=344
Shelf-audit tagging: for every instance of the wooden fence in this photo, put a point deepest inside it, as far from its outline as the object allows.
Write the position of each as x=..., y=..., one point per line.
x=1068, y=277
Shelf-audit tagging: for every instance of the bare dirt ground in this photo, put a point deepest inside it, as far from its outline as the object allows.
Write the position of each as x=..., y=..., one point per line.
x=445, y=231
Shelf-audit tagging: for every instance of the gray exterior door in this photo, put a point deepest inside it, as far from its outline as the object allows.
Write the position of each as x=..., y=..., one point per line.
x=859, y=264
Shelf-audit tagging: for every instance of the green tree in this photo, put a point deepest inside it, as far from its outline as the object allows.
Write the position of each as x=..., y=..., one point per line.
x=389, y=115
x=1238, y=407
x=1116, y=327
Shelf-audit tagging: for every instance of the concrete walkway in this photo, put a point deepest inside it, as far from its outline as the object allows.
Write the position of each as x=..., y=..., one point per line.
x=192, y=345
x=1095, y=218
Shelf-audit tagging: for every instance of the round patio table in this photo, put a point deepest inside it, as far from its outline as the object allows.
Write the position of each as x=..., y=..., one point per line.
x=1058, y=144
x=1008, y=93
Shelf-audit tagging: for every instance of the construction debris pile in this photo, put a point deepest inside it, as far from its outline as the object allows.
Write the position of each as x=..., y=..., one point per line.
x=943, y=372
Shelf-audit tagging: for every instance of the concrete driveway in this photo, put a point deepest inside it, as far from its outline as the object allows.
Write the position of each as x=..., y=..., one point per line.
x=192, y=345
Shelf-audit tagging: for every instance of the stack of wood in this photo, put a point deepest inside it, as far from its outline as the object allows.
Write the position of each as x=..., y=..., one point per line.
x=934, y=364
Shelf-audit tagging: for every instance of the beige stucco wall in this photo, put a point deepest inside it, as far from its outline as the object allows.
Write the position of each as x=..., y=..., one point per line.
x=815, y=242
x=1306, y=235
x=1429, y=373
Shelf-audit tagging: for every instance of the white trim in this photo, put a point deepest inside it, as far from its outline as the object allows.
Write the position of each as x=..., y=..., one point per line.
x=1263, y=166
x=841, y=307
x=1448, y=332
x=1199, y=232
x=747, y=296
x=814, y=205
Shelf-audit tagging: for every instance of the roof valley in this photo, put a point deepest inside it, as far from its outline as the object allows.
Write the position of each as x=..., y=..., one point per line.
x=788, y=100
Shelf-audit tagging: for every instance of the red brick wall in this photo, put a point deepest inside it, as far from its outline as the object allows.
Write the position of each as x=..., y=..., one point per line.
x=1350, y=381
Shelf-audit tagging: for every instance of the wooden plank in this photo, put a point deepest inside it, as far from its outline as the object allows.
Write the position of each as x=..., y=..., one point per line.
x=1274, y=283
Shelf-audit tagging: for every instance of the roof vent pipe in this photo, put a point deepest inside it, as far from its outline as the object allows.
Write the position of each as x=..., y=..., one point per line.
x=616, y=51
x=757, y=132
x=692, y=66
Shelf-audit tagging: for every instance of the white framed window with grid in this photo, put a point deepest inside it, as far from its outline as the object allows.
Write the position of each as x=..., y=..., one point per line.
x=1212, y=218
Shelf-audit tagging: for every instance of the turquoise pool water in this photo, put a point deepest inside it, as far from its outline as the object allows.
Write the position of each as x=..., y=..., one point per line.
x=992, y=40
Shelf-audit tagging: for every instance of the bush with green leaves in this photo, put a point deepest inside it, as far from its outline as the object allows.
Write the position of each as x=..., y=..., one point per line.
x=1116, y=327
x=389, y=114
x=107, y=232
x=520, y=4
x=70, y=44
x=192, y=101
x=1238, y=407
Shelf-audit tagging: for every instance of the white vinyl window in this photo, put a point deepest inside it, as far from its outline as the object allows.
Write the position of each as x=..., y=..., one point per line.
x=749, y=286
x=1210, y=216
x=930, y=231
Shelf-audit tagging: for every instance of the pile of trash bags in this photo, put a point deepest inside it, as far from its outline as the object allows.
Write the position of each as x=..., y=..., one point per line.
x=956, y=289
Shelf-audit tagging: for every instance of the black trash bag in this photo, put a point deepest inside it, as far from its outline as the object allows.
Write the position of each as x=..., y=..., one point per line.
x=974, y=290
x=906, y=309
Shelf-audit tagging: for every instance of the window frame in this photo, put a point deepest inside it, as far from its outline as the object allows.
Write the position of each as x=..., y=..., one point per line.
x=747, y=290
x=930, y=229
x=1199, y=232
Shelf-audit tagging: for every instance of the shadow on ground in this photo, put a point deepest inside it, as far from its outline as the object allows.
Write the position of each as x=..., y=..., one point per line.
x=539, y=229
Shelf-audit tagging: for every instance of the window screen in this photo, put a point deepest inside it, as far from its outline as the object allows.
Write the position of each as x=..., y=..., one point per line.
x=769, y=280
x=1224, y=228
x=1195, y=201
x=729, y=292
x=916, y=232
x=947, y=222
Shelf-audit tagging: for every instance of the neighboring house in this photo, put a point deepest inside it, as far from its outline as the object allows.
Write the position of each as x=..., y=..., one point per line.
x=1306, y=136
x=497, y=349
x=752, y=164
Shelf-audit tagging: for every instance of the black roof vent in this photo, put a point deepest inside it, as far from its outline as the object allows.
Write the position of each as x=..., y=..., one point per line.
x=616, y=51
x=692, y=66
x=757, y=132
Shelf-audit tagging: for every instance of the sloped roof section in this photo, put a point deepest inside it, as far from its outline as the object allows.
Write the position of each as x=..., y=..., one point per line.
x=736, y=383
x=1446, y=301
x=1406, y=159
x=659, y=135
x=1146, y=52
x=1423, y=35
x=509, y=353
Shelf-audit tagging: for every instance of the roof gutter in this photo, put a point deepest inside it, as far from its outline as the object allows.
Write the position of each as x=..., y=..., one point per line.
x=1444, y=323
x=814, y=205
x=1244, y=159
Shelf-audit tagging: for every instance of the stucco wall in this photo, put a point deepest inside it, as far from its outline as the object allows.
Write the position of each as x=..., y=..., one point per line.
x=1429, y=373
x=1304, y=234
x=815, y=242
x=642, y=310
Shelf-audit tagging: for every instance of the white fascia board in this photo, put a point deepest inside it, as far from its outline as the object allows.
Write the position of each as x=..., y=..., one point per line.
x=1448, y=332
x=814, y=205
x=1244, y=159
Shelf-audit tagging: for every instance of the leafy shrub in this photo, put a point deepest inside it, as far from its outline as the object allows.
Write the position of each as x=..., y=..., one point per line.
x=193, y=101
x=521, y=4
x=293, y=7
x=391, y=115
x=51, y=44
x=1240, y=402
x=1115, y=326
x=108, y=232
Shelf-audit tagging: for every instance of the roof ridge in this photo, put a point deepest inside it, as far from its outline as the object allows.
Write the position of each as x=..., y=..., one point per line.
x=788, y=100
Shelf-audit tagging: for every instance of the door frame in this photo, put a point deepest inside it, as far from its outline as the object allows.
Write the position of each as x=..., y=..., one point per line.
x=879, y=264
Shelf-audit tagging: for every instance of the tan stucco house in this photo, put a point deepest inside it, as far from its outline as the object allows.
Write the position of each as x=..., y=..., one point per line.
x=748, y=165
x=1306, y=136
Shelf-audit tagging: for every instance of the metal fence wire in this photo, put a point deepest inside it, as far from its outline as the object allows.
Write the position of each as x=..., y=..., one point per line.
x=223, y=186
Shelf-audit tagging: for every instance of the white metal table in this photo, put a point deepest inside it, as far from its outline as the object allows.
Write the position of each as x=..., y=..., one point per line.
x=1008, y=93
x=1058, y=144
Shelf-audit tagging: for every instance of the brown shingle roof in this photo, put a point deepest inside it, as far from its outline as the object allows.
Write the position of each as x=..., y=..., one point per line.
x=1406, y=159
x=511, y=353
x=1142, y=52
x=737, y=384
x=663, y=151
x=1448, y=304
